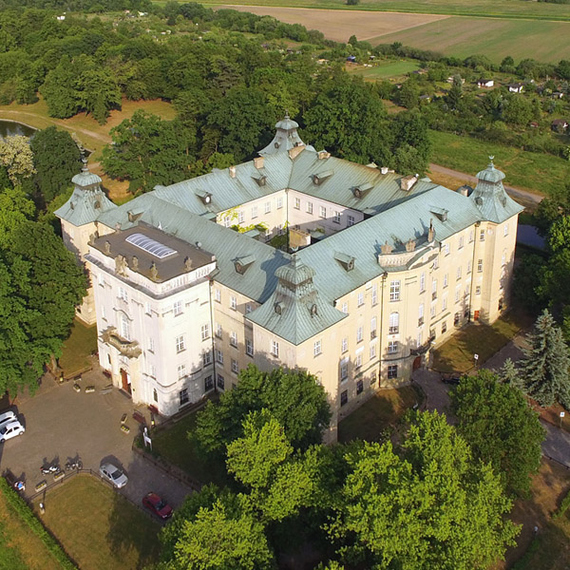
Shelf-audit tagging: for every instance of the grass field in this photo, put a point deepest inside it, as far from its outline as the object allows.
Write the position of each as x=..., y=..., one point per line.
x=98, y=527
x=540, y=173
x=20, y=549
x=78, y=348
x=392, y=69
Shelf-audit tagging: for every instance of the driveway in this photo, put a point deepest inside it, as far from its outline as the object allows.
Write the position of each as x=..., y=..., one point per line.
x=62, y=423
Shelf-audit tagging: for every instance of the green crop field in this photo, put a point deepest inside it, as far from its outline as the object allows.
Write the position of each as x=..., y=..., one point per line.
x=495, y=38
x=384, y=70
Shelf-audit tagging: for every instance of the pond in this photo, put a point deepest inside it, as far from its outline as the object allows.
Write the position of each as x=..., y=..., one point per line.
x=11, y=128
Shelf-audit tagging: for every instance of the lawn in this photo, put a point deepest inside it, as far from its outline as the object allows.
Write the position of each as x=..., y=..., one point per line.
x=377, y=414
x=456, y=355
x=174, y=445
x=77, y=349
x=98, y=527
x=384, y=70
x=21, y=549
x=537, y=172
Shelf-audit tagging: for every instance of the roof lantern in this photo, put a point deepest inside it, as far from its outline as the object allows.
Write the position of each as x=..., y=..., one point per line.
x=285, y=139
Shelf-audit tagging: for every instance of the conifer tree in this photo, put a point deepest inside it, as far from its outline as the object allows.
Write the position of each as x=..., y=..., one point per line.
x=547, y=363
x=509, y=374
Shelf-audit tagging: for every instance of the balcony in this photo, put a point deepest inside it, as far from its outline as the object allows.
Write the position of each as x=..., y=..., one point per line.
x=128, y=348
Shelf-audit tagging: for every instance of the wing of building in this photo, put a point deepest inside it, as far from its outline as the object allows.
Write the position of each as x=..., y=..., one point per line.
x=294, y=259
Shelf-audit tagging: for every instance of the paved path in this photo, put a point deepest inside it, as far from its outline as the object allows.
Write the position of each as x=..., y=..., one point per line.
x=61, y=424
x=519, y=194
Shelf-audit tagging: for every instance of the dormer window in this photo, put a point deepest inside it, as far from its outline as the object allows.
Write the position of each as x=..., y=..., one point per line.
x=361, y=191
x=243, y=263
x=261, y=180
x=318, y=179
x=206, y=197
x=345, y=260
x=441, y=213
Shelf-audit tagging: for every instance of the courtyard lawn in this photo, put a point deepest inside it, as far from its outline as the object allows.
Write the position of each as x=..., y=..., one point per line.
x=456, y=354
x=77, y=349
x=174, y=445
x=21, y=549
x=98, y=527
x=377, y=414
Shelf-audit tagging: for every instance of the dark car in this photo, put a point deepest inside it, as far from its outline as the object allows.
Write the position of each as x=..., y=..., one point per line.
x=157, y=506
x=451, y=379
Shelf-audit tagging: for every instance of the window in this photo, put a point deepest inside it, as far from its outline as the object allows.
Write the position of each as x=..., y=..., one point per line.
x=471, y=236
x=219, y=356
x=241, y=217
x=317, y=348
x=479, y=266
x=358, y=361
x=221, y=382
x=373, y=379
x=434, y=289
x=420, y=339
x=254, y=212
x=233, y=339
x=208, y=383
x=183, y=396
x=275, y=348
x=181, y=371
x=394, y=290
x=422, y=282
x=436, y=263
x=506, y=230
x=100, y=280
x=373, y=351
x=147, y=308
x=344, y=397
x=344, y=345
x=279, y=203
x=248, y=308
x=125, y=327
x=297, y=204
x=504, y=259
x=373, y=327
x=205, y=331
x=155, y=395
x=443, y=327
x=233, y=303
x=445, y=280
x=322, y=212
x=459, y=271
x=443, y=304
x=267, y=207
x=482, y=235
x=360, y=299
x=343, y=372
x=393, y=347
x=218, y=330
x=350, y=221
x=392, y=371
x=151, y=344
x=456, y=319
x=359, y=387
x=478, y=290
x=177, y=308
x=217, y=295
x=433, y=308
x=227, y=221
x=457, y=294
x=469, y=267
x=235, y=367
x=374, y=295
x=207, y=358
x=461, y=242
x=180, y=343
x=421, y=315
x=446, y=249
x=359, y=334
x=394, y=323
x=249, y=347
x=152, y=369
x=309, y=207
x=336, y=217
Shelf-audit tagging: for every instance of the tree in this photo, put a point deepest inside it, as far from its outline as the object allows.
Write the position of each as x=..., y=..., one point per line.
x=432, y=506
x=16, y=156
x=455, y=94
x=508, y=374
x=411, y=146
x=501, y=428
x=56, y=160
x=547, y=363
x=294, y=398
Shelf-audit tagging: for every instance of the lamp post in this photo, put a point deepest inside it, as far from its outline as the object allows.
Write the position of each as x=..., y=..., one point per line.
x=475, y=359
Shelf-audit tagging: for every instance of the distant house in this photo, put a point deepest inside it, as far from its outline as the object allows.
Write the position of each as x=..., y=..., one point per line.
x=516, y=87
x=485, y=83
x=557, y=94
x=425, y=98
x=559, y=125
x=351, y=59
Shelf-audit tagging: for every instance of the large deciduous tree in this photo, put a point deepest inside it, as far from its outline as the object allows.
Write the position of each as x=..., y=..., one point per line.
x=430, y=506
x=16, y=156
x=294, y=398
x=501, y=428
x=547, y=363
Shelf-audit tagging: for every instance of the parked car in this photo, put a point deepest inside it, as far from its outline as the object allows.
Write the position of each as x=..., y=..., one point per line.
x=11, y=429
x=451, y=379
x=114, y=475
x=7, y=417
x=157, y=506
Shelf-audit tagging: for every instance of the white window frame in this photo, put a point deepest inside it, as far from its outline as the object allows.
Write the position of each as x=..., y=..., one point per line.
x=317, y=348
x=205, y=331
x=275, y=348
x=180, y=343
x=322, y=212
x=395, y=290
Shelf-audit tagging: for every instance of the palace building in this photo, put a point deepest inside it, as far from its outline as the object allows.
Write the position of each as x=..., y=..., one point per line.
x=294, y=259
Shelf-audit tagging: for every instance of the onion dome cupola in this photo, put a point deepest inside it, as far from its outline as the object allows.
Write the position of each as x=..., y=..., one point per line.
x=286, y=138
x=88, y=200
x=490, y=196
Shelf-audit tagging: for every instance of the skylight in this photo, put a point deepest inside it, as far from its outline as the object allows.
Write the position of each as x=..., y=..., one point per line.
x=150, y=246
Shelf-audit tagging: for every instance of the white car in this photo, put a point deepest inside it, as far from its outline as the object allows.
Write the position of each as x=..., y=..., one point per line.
x=114, y=475
x=7, y=417
x=11, y=429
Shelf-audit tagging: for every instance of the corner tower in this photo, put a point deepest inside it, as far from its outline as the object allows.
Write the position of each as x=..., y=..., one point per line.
x=285, y=138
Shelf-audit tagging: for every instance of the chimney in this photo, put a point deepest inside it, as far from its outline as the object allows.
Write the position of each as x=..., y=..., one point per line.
x=295, y=151
x=232, y=170
x=258, y=162
x=384, y=170
x=323, y=154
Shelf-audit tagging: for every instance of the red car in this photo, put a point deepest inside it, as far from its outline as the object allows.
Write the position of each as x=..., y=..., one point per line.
x=158, y=506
